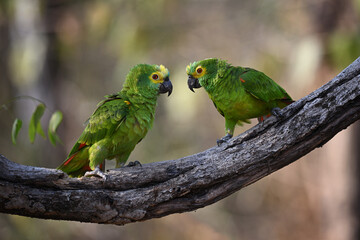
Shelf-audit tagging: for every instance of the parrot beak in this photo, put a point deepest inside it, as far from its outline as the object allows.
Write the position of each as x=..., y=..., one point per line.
x=166, y=86
x=193, y=83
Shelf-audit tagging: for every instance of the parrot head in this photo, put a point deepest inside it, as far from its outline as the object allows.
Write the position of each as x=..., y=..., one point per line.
x=149, y=79
x=201, y=72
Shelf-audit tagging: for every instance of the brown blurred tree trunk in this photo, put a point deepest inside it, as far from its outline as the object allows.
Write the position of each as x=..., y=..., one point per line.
x=54, y=73
x=6, y=89
x=327, y=17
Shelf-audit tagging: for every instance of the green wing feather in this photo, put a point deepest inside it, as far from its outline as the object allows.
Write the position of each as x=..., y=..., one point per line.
x=218, y=109
x=108, y=116
x=261, y=86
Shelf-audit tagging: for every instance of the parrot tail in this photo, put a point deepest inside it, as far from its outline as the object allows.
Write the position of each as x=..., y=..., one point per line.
x=262, y=118
x=68, y=160
x=287, y=101
x=76, y=164
x=284, y=102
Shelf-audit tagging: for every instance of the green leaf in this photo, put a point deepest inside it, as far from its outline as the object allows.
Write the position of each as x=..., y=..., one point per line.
x=54, y=122
x=34, y=125
x=39, y=130
x=15, y=130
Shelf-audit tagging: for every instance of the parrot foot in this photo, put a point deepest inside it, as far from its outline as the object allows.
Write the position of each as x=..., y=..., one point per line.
x=276, y=112
x=96, y=172
x=224, y=139
x=134, y=164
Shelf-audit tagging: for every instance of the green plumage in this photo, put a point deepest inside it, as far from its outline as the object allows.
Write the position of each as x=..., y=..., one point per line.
x=119, y=122
x=238, y=93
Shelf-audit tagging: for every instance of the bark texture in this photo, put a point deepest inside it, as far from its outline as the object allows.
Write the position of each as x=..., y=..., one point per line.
x=162, y=188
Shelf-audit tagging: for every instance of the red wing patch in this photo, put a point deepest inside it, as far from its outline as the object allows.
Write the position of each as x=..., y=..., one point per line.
x=86, y=168
x=69, y=160
x=262, y=118
x=81, y=145
x=242, y=80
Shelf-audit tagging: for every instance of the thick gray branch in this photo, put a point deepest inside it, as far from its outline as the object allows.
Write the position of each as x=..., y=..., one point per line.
x=161, y=188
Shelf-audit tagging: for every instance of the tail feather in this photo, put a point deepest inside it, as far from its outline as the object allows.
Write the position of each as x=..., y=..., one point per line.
x=69, y=160
x=287, y=101
x=262, y=118
x=76, y=161
x=77, y=164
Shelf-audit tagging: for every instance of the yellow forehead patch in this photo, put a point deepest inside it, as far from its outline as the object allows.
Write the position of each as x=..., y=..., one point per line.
x=164, y=70
x=188, y=69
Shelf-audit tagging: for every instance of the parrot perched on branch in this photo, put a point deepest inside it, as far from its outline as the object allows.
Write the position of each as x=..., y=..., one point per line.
x=119, y=122
x=238, y=93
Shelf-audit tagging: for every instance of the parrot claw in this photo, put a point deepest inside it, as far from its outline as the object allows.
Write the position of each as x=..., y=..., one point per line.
x=276, y=112
x=96, y=172
x=224, y=139
x=134, y=164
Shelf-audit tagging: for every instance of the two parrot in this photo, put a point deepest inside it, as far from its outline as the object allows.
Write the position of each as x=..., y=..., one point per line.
x=123, y=119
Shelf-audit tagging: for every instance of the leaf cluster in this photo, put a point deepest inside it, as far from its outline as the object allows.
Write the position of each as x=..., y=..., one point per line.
x=35, y=126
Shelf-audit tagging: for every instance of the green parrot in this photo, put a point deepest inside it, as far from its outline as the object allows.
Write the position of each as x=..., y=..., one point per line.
x=119, y=122
x=238, y=93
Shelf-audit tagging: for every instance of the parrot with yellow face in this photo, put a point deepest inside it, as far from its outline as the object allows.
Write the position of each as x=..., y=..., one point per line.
x=238, y=93
x=120, y=122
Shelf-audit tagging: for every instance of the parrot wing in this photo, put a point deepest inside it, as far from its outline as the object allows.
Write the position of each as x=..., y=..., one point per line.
x=219, y=110
x=105, y=120
x=261, y=86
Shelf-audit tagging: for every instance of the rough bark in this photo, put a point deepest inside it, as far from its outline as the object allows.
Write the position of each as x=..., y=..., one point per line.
x=162, y=188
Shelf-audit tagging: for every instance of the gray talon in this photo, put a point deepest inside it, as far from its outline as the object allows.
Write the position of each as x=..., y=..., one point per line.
x=224, y=139
x=96, y=172
x=134, y=164
x=276, y=112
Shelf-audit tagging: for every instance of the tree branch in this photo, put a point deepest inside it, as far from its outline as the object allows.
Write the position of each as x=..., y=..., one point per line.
x=162, y=188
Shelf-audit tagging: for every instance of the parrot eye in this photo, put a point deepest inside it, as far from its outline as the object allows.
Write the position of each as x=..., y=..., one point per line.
x=199, y=70
x=155, y=76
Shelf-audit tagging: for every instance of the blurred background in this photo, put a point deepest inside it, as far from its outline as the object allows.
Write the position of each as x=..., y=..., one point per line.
x=70, y=54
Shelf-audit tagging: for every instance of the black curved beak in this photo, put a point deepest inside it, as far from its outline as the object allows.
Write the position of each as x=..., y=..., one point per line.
x=166, y=86
x=193, y=83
